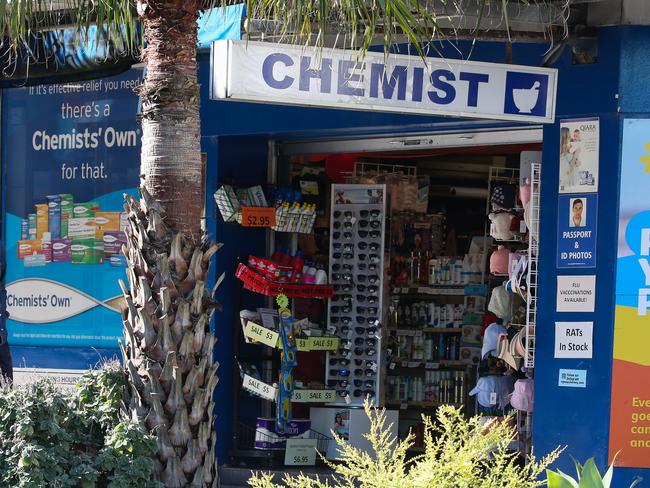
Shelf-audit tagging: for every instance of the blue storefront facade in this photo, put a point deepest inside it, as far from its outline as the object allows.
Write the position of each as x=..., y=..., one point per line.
x=236, y=138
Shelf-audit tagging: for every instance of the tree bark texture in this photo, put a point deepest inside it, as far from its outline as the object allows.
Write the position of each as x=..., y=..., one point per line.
x=171, y=126
x=168, y=347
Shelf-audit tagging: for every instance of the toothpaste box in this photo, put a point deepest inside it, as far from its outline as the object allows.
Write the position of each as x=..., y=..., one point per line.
x=28, y=247
x=113, y=241
x=31, y=218
x=107, y=221
x=24, y=229
x=66, y=212
x=61, y=251
x=87, y=251
x=54, y=215
x=82, y=227
x=41, y=220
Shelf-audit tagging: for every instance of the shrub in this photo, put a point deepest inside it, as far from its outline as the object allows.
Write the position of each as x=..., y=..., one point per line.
x=459, y=453
x=80, y=439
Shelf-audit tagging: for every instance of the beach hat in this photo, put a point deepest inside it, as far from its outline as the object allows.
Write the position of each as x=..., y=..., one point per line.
x=501, y=303
x=523, y=395
x=491, y=339
x=504, y=352
x=524, y=192
x=500, y=227
x=503, y=197
x=501, y=386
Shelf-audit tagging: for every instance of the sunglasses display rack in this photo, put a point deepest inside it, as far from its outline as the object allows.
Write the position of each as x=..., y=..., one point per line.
x=355, y=311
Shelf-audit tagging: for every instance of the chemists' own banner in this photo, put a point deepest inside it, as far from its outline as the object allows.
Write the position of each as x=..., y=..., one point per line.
x=71, y=152
x=630, y=412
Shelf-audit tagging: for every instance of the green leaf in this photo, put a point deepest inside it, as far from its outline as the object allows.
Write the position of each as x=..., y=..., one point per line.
x=559, y=480
x=590, y=476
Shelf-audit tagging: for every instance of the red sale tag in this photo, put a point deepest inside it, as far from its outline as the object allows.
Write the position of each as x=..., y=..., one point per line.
x=258, y=216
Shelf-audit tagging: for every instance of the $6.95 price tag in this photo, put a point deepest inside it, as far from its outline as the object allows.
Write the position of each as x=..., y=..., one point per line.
x=300, y=452
x=258, y=216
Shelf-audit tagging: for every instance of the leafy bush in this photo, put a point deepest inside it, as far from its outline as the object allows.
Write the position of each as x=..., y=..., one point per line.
x=459, y=453
x=588, y=477
x=49, y=438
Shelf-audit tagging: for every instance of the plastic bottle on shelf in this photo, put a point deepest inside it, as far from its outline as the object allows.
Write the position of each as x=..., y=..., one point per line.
x=297, y=262
x=321, y=276
x=433, y=271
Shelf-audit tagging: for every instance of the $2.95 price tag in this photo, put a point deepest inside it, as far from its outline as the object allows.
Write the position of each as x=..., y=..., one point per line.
x=258, y=216
x=300, y=452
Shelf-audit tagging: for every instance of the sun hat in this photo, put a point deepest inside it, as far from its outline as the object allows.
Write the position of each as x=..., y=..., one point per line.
x=524, y=192
x=499, y=261
x=500, y=227
x=501, y=303
x=491, y=339
x=503, y=352
x=523, y=395
x=501, y=386
x=503, y=197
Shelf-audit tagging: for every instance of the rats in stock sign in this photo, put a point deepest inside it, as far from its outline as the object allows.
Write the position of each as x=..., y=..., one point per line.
x=337, y=78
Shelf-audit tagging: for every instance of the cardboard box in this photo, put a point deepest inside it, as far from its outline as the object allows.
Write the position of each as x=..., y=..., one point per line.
x=54, y=215
x=28, y=247
x=41, y=219
x=87, y=251
x=113, y=241
x=82, y=227
x=61, y=250
x=24, y=229
x=67, y=203
x=107, y=221
x=31, y=218
x=83, y=210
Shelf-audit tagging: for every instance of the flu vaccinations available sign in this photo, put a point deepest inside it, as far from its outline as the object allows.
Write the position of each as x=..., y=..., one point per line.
x=630, y=405
x=279, y=73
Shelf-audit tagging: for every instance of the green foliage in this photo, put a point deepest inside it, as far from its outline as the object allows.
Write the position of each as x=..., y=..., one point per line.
x=459, y=453
x=50, y=438
x=588, y=477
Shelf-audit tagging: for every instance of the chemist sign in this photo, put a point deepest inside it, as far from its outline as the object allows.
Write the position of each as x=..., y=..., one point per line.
x=337, y=78
x=577, y=222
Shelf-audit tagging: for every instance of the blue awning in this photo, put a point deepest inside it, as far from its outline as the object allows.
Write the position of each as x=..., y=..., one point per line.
x=221, y=23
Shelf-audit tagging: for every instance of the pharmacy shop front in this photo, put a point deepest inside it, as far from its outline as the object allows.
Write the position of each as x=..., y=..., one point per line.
x=435, y=229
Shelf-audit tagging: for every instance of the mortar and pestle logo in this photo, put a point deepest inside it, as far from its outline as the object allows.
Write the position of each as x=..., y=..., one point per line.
x=526, y=98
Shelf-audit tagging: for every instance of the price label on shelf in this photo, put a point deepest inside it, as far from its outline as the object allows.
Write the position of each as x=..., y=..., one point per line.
x=261, y=334
x=432, y=365
x=258, y=216
x=413, y=364
x=268, y=392
x=300, y=452
x=313, y=396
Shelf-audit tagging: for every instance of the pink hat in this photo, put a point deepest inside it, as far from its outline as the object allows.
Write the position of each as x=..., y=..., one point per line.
x=524, y=192
x=523, y=396
x=499, y=261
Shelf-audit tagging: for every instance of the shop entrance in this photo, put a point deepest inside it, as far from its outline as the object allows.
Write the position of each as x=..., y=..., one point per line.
x=428, y=245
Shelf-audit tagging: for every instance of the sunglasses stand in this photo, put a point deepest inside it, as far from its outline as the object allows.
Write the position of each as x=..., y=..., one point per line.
x=355, y=313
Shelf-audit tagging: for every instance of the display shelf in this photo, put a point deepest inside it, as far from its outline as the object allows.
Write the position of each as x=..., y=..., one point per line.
x=411, y=404
x=456, y=290
x=418, y=363
x=257, y=283
x=427, y=330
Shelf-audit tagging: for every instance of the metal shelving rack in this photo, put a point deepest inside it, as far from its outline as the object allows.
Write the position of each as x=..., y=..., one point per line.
x=533, y=253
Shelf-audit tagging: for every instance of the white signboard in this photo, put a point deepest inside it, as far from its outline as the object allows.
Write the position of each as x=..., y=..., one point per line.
x=300, y=452
x=574, y=339
x=286, y=74
x=576, y=293
x=579, y=155
x=262, y=389
x=314, y=396
x=62, y=379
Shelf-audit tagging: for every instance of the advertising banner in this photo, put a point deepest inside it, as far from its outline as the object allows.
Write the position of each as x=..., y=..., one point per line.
x=340, y=78
x=579, y=155
x=71, y=151
x=630, y=410
x=577, y=225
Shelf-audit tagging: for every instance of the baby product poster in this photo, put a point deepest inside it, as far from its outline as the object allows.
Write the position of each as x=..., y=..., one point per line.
x=579, y=140
x=630, y=408
x=71, y=151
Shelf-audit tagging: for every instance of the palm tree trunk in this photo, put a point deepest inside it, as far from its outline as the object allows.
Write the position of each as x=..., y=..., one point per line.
x=168, y=344
x=171, y=127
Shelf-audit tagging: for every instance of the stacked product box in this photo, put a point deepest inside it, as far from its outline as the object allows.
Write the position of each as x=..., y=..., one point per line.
x=64, y=231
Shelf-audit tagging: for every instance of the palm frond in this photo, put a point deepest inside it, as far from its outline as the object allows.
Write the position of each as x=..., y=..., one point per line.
x=115, y=21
